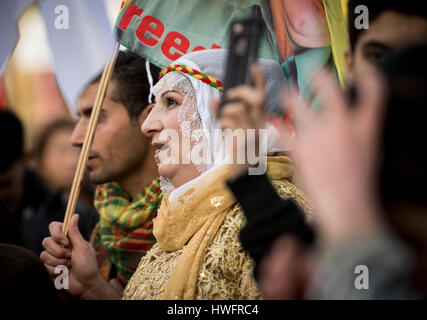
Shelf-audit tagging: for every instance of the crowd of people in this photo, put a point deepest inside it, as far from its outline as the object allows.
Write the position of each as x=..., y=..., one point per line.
x=338, y=213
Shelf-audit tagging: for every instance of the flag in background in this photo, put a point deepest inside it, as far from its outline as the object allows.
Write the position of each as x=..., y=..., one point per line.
x=162, y=31
x=81, y=52
x=311, y=34
x=80, y=38
x=10, y=12
x=337, y=22
x=302, y=35
x=124, y=5
x=344, y=6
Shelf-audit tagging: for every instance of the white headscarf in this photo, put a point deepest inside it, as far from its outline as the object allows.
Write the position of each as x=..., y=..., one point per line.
x=197, y=121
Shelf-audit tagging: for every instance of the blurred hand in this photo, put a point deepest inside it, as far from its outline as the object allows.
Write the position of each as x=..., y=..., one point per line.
x=285, y=271
x=117, y=286
x=244, y=111
x=74, y=252
x=335, y=151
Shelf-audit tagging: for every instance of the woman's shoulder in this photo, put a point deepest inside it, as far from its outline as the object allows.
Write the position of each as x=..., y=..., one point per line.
x=226, y=272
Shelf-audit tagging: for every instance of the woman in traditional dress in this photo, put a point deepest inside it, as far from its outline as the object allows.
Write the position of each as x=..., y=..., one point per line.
x=198, y=254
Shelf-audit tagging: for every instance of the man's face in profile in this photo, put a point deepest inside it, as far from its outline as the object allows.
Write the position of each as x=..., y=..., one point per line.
x=119, y=147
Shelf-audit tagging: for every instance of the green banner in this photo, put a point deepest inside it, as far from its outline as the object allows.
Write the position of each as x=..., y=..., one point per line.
x=164, y=30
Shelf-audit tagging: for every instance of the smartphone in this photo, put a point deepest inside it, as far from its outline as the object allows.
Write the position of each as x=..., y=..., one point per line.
x=243, y=50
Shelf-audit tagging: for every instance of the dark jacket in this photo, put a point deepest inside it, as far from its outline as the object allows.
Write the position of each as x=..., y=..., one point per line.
x=40, y=207
x=9, y=230
x=268, y=216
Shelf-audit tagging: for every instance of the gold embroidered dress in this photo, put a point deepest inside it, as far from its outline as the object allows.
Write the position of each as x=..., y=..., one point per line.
x=198, y=254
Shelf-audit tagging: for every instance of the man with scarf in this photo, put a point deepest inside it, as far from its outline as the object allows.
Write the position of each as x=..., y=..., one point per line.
x=121, y=164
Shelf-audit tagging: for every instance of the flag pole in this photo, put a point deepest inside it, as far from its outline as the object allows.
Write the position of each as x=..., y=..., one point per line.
x=87, y=143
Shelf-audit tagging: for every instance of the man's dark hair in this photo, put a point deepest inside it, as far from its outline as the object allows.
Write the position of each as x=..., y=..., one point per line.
x=131, y=83
x=11, y=139
x=23, y=276
x=376, y=8
x=403, y=164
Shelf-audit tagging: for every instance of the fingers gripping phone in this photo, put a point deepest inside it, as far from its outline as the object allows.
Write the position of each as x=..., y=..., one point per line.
x=243, y=51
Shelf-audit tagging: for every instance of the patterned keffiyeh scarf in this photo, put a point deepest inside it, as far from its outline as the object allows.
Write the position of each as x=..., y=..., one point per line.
x=124, y=231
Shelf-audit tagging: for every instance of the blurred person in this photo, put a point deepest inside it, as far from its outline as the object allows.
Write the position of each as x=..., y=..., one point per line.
x=121, y=164
x=56, y=158
x=402, y=157
x=365, y=173
x=393, y=26
x=26, y=197
x=372, y=212
x=23, y=276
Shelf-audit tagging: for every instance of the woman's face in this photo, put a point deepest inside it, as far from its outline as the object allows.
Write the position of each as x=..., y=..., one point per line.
x=172, y=147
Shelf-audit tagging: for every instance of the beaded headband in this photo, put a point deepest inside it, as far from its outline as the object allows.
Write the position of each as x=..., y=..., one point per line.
x=194, y=73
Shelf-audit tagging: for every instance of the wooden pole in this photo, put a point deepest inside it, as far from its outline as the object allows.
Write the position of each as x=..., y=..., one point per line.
x=87, y=144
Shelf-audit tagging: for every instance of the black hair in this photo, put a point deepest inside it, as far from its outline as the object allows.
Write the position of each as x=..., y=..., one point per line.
x=23, y=276
x=376, y=7
x=9, y=229
x=403, y=168
x=11, y=139
x=131, y=83
x=403, y=163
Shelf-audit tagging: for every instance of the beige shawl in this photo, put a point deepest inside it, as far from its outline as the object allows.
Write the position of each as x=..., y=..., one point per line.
x=193, y=219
